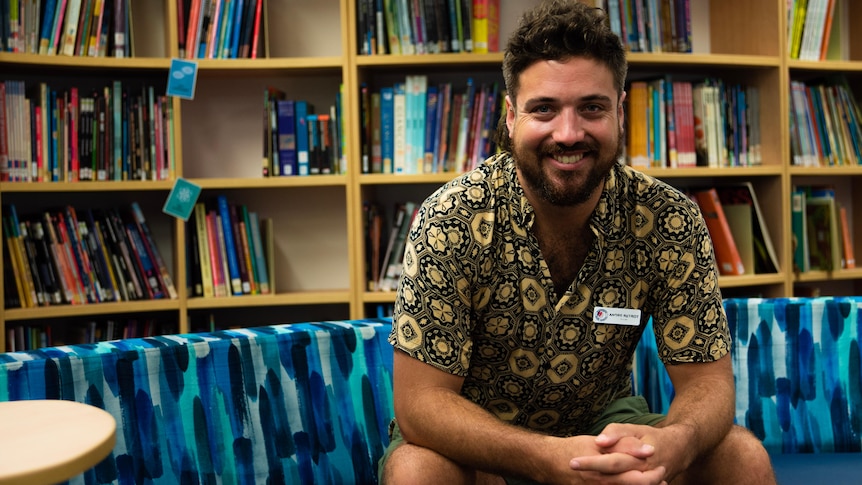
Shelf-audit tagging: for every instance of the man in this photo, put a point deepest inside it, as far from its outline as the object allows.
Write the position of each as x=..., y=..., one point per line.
x=527, y=284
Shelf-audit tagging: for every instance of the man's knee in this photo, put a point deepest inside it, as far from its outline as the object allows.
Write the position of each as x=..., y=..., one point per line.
x=411, y=464
x=739, y=458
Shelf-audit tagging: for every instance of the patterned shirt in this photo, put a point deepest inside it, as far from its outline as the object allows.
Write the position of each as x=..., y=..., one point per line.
x=476, y=298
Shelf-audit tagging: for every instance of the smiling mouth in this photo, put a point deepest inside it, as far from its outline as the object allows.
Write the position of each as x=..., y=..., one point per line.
x=569, y=159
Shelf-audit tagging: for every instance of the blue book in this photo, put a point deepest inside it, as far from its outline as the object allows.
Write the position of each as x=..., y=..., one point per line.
x=230, y=246
x=431, y=104
x=387, y=128
x=286, y=110
x=49, y=12
x=117, y=129
x=259, y=255
x=148, y=269
x=313, y=144
x=302, y=155
x=236, y=30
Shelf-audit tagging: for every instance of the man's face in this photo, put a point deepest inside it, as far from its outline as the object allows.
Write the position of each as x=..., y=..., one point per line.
x=566, y=129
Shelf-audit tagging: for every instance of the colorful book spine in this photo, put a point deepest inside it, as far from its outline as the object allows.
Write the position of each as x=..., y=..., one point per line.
x=259, y=254
x=286, y=122
x=203, y=250
x=726, y=253
x=230, y=246
x=153, y=250
x=302, y=149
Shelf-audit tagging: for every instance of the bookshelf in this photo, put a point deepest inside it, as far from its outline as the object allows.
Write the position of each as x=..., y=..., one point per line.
x=319, y=250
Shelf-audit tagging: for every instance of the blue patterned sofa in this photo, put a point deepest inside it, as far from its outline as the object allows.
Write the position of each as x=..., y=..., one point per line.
x=310, y=403
x=798, y=385
x=304, y=403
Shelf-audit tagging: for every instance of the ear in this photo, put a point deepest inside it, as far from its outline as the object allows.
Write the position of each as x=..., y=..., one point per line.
x=621, y=113
x=510, y=114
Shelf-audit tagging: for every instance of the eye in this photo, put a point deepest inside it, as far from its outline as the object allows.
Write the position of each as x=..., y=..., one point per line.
x=542, y=108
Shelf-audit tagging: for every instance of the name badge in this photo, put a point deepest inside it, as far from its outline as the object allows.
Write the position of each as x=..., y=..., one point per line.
x=616, y=316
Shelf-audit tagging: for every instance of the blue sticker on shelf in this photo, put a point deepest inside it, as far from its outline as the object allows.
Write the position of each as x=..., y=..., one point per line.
x=181, y=201
x=182, y=78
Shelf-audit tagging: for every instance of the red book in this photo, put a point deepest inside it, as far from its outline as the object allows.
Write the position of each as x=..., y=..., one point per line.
x=255, y=38
x=215, y=255
x=726, y=253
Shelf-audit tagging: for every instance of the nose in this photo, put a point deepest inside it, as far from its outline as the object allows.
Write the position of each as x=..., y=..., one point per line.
x=569, y=128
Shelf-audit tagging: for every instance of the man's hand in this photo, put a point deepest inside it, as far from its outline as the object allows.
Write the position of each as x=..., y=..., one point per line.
x=643, y=448
x=625, y=462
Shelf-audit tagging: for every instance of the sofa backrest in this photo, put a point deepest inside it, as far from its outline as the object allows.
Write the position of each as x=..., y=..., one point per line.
x=302, y=403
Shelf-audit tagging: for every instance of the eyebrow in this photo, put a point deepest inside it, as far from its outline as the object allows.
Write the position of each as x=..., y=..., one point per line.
x=585, y=99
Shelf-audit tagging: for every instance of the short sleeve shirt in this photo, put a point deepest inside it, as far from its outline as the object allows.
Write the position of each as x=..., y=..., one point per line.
x=476, y=298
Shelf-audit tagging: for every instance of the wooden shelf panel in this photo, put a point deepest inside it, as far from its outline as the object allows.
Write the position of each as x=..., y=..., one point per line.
x=112, y=308
x=293, y=298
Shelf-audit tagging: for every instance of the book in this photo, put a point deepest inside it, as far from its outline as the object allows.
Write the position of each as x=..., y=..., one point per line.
x=203, y=246
x=229, y=241
x=387, y=128
x=287, y=137
x=638, y=116
x=99, y=254
x=260, y=255
x=153, y=250
x=726, y=253
x=246, y=256
x=848, y=251
x=245, y=273
x=142, y=257
x=749, y=228
x=217, y=256
x=824, y=239
x=303, y=155
x=44, y=261
x=194, y=283
x=392, y=260
x=70, y=30
x=23, y=284
x=111, y=249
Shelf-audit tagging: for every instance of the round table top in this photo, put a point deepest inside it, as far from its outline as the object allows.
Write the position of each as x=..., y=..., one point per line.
x=49, y=441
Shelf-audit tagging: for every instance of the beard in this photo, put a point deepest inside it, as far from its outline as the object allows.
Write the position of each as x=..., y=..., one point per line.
x=565, y=195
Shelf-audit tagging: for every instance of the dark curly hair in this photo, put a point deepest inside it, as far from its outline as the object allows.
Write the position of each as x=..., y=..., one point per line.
x=556, y=30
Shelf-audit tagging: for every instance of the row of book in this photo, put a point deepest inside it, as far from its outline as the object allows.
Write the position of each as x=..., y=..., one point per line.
x=736, y=225
x=810, y=33
x=219, y=29
x=113, y=133
x=298, y=141
x=427, y=26
x=229, y=250
x=384, y=251
x=825, y=124
x=25, y=337
x=822, y=237
x=709, y=123
x=414, y=127
x=651, y=25
x=84, y=28
x=56, y=258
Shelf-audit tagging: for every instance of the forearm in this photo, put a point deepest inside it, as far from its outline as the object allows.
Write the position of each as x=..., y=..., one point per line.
x=444, y=421
x=702, y=410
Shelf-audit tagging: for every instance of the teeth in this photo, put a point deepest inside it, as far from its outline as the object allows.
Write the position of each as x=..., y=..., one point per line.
x=569, y=158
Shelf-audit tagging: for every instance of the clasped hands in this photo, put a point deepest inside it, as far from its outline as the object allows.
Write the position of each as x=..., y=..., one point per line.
x=628, y=454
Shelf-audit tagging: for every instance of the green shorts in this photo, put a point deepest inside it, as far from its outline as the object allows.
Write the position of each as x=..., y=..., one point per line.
x=631, y=410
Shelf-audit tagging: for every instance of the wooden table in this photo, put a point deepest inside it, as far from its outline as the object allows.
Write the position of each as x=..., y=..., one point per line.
x=49, y=441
